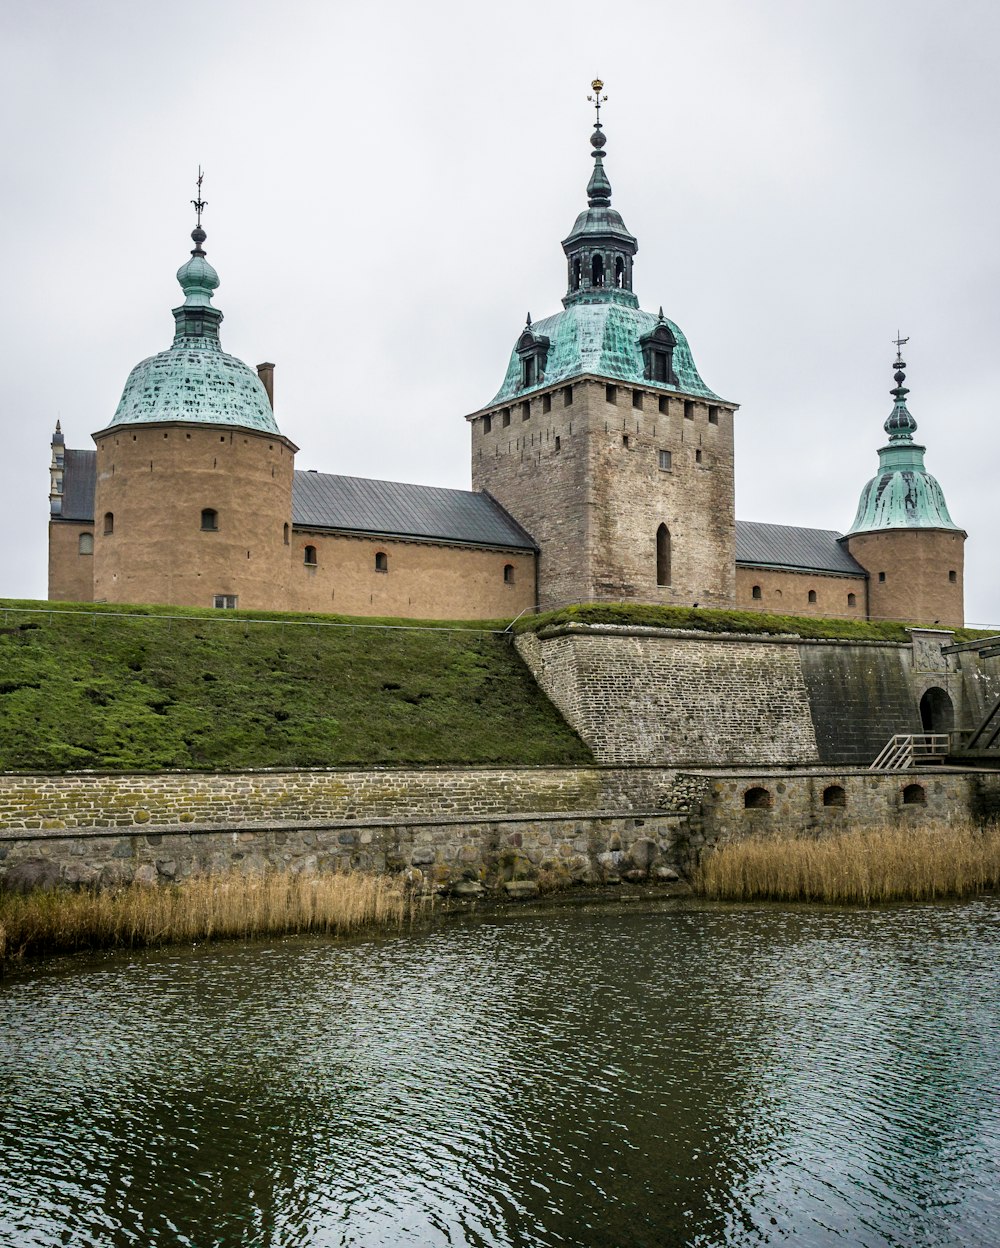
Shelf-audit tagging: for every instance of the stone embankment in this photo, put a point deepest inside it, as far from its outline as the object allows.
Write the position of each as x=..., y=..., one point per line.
x=462, y=829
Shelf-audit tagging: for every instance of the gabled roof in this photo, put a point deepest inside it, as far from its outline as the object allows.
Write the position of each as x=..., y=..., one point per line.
x=321, y=500
x=793, y=548
x=79, y=483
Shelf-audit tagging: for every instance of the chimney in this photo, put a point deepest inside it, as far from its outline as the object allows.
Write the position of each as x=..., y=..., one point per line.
x=266, y=373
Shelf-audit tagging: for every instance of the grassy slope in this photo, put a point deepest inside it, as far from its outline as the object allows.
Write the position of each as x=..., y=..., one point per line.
x=714, y=621
x=209, y=691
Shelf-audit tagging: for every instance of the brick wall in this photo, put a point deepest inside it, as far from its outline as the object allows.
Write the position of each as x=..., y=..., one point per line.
x=787, y=593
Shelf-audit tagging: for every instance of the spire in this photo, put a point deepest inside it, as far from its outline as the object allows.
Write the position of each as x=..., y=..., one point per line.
x=598, y=188
x=198, y=279
x=599, y=248
x=900, y=425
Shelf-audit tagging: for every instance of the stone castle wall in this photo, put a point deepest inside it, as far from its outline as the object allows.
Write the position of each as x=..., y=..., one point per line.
x=681, y=699
x=456, y=828
x=579, y=467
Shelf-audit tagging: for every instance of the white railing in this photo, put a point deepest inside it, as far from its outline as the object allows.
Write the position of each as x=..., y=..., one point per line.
x=907, y=749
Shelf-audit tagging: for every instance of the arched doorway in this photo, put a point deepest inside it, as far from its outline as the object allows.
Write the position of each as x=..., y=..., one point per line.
x=937, y=714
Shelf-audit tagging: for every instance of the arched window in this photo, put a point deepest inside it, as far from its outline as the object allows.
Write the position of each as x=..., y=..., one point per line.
x=508, y=574
x=209, y=519
x=109, y=522
x=86, y=544
x=834, y=795
x=914, y=795
x=286, y=534
x=852, y=600
x=756, y=592
x=663, y=555
x=309, y=556
x=757, y=799
x=381, y=562
x=597, y=271
x=619, y=273
x=577, y=273
x=812, y=595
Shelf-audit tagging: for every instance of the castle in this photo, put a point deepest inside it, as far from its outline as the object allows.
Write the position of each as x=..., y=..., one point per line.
x=602, y=469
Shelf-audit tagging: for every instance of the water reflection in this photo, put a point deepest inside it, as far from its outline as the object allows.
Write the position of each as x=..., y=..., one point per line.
x=694, y=1075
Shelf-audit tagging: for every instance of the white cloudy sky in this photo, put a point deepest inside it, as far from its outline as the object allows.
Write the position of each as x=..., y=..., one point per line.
x=388, y=182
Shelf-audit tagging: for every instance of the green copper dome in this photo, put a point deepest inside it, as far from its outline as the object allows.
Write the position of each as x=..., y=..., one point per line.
x=903, y=495
x=602, y=330
x=603, y=338
x=195, y=380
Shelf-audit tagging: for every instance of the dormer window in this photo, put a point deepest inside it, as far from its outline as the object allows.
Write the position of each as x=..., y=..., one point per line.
x=658, y=354
x=533, y=351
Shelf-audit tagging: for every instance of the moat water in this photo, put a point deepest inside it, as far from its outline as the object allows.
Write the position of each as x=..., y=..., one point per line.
x=680, y=1074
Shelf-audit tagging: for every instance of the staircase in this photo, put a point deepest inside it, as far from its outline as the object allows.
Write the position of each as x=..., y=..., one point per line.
x=908, y=749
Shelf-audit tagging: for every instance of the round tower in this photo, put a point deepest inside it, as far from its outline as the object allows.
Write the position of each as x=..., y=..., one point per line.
x=903, y=535
x=193, y=502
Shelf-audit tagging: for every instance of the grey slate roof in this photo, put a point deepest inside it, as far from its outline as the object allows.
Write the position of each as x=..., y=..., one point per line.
x=788, y=546
x=321, y=500
x=79, y=483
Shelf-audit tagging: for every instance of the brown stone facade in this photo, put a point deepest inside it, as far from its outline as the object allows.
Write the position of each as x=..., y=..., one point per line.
x=416, y=580
x=71, y=561
x=913, y=574
x=593, y=470
x=786, y=592
x=184, y=513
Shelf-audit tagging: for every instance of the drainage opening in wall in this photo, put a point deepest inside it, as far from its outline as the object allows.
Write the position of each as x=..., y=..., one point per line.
x=757, y=799
x=834, y=795
x=914, y=795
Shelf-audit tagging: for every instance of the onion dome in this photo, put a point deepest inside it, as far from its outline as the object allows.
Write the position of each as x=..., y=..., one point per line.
x=903, y=494
x=195, y=381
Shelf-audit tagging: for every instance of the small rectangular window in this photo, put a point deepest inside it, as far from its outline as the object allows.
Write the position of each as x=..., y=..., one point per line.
x=567, y=396
x=697, y=455
x=525, y=410
x=558, y=443
x=225, y=602
x=625, y=440
x=546, y=402
x=487, y=424
x=881, y=576
x=664, y=405
x=665, y=461
x=688, y=409
x=611, y=394
x=713, y=415
x=953, y=576
x=637, y=399
x=505, y=418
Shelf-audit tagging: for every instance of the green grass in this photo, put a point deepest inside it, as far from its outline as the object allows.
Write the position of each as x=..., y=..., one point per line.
x=198, y=689
x=703, y=619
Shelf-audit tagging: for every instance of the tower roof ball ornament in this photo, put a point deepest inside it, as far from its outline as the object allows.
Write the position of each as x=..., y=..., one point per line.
x=903, y=494
x=195, y=381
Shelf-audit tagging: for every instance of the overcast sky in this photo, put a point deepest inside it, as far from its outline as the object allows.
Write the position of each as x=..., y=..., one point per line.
x=388, y=184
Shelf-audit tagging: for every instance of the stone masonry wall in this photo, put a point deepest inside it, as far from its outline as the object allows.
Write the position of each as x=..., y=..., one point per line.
x=650, y=696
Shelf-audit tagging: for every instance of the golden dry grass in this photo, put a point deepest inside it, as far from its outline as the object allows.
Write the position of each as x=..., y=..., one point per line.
x=861, y=865
x=215, y=907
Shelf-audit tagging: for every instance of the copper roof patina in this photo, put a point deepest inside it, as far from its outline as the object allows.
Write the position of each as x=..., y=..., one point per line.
x=601, y=328
x=903, y=494
x=195, y=380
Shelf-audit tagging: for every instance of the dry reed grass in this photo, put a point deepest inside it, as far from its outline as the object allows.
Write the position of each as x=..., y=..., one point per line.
x=861, y=865
x=215, y=907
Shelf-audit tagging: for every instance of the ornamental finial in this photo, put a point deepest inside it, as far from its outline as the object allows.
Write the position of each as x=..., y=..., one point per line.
x=198, y=235
x=597, y=100
x=900, y=426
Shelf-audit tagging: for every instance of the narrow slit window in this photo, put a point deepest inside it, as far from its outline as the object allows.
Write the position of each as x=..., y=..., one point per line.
x=663, y=555
x=508, y=574
x=309, y=556
x=109, y=522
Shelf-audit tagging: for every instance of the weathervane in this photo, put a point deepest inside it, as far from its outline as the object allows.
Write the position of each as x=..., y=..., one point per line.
x=597, y=98
x=199, y=203
x=900, y=344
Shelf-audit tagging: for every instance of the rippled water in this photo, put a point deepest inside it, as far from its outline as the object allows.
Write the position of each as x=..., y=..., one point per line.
x=684, y=1075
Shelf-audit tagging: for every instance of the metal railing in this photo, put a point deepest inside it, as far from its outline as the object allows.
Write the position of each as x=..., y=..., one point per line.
x=907, y=749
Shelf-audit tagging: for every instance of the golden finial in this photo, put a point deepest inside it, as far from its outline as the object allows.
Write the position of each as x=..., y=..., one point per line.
x=597, y=99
